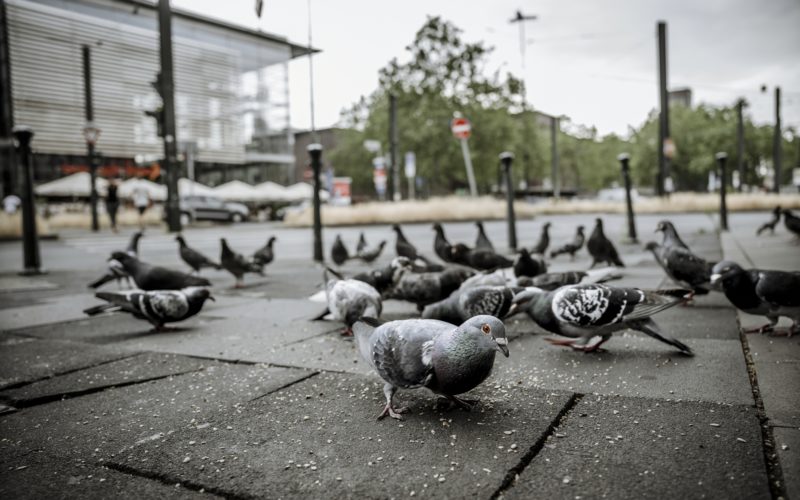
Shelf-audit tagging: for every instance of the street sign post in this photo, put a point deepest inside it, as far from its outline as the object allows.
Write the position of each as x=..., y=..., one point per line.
x=411, y=173
x=462, y=129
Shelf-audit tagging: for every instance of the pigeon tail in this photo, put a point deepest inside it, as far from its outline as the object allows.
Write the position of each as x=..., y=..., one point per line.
x=95, y=310
x=101, y=280
x=650, y=327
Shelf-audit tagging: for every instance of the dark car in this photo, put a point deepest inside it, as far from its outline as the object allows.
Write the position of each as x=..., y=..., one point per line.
x=209, y=208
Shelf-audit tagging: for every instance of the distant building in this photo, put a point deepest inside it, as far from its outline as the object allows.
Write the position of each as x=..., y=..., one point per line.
x=231, y=88
x=680, y=97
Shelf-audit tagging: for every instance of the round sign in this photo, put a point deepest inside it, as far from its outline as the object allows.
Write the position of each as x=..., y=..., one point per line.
x=461, y=128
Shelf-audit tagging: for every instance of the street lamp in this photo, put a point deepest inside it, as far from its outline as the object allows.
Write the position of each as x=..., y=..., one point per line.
x=91, y=134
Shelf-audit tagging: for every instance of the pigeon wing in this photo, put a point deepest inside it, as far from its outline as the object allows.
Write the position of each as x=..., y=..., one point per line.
x=593, y=305
x=779, y=288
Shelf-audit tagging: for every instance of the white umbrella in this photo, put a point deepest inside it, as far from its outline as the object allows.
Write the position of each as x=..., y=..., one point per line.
x=75, y=185
x=187, y=187
x=157, y=192
x=303, y=191
x=237, y=191
x=271, y=192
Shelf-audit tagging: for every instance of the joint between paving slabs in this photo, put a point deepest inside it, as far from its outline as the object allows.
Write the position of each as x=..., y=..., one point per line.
x=310, y=375
x=777, y=486
x=513, y=473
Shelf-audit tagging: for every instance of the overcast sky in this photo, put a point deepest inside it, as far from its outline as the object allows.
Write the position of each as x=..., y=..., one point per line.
x=594, y=60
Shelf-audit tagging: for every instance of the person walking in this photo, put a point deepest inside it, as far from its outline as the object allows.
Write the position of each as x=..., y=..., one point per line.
x=141, y=200
x=112, y=203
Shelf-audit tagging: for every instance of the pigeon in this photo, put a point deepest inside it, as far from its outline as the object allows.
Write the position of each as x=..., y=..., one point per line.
x=572, y=247
x=478, y=258
x=404, y=248
x=447, y=359
x=582, y=312
x=791, y=221
x=776, y=217
x=671, y=237
x=426, y=288
x=370, y=254
x=265, y=254
x=350, y=299
x=237, y=264
x=115, y=271
x=339, y=253
x=441, y=246
x=195, y=259
x=544, y=240
x=762, y=293
x=462, y=305
x=485, y=278
x=600, y=248
x=156, y=306
x=525, y=265
x=149, y=277
x=482, y=241
x=683, y=267
x=362, y=243
x=551, y=281
x=387, y=276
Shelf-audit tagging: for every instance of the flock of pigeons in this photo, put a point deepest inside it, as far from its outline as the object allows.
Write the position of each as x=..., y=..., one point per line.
x=463, y=301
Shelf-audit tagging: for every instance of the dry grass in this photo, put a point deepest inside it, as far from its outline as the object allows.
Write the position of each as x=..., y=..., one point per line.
x=11, y=225
x=453, y=209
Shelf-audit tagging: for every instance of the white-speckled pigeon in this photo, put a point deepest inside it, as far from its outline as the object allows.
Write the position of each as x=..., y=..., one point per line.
x=156, y=306
x=463, y=304
x=350, y=299
x=116, y=271
x=585, y=311
x=762, y=293
x=447, y=359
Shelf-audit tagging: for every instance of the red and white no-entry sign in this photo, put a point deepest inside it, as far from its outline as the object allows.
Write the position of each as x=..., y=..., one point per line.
x=461, y=128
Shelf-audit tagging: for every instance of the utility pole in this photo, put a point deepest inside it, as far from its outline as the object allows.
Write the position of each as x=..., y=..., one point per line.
x=166, y=88
x=8, y=158
x=315, y=152
x=520, y=19
x=395, y=164
x=777, y=143
x=90, y=132
x=740, y=142
x=663, y=117
x=554, y=126
x=721, y=157
x=505, y=159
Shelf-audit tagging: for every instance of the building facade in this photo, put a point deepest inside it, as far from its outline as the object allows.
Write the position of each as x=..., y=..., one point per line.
x=231, y=88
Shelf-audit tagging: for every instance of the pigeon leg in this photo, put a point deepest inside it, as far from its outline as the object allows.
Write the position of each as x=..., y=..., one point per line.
x=759, y=329
x=389, y=409
x=467, y=404
x=347, y=332
x=566, y=343
x=596, y=347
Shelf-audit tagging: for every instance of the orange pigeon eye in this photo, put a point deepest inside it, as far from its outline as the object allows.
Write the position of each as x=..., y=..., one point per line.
x=486, y=329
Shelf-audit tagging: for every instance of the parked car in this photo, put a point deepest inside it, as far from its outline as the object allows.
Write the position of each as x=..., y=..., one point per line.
x=209, y=208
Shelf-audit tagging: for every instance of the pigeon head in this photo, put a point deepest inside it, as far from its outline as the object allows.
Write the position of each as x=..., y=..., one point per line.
x=599, y=222
x=776, y=210
x=438, y=227
x=459, y=252
x=491, y=329
x=664, y=226
x=198, y=293
x=580, y=229
x=652, y=246
x=524, y=300
x=479, y=224
x=396, y=228
x=723, y=270
x=180, y=240
x=547, y=225
x=271, y=241
x=122, y=257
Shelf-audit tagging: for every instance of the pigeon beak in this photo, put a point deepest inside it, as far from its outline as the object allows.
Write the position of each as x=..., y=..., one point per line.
x=715, y=278
x=512, y=310
x=211, y=298
x=502, y=345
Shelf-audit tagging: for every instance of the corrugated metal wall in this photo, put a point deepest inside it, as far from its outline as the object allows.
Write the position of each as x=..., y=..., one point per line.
x=47, y=85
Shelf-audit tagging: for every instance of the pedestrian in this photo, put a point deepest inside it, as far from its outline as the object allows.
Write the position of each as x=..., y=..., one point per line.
x=141, y=200
x=11, y=204
x=112, y=203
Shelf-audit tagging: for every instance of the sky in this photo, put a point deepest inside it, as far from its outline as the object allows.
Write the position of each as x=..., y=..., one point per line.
x=593, y=61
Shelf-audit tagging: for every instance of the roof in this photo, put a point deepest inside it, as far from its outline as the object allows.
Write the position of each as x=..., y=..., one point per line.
x=297, y=50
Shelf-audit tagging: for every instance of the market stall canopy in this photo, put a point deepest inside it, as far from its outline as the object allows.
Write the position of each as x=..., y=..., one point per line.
x=271, y=192
x=303, y=191
x=76, y=185
x=157, y=192
x=237, y=191
x=187, y=187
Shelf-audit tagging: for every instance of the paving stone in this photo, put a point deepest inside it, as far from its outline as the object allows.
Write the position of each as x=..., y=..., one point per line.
x=51, y=310
x=617, y=447
x=787, y=442
x=777, y=364
x=319, y=438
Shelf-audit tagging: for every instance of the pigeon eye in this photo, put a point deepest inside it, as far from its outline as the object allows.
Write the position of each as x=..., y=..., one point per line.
x=486, y=329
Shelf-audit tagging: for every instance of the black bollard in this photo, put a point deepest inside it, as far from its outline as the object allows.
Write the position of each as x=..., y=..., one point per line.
x=723, y=190
x=624, y=159
x=30, y=240
x=505, y=159
x=315, y=151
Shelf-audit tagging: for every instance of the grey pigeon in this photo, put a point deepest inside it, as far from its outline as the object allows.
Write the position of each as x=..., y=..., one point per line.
x=237, y=264
x=482, y=241
x=671, y=236
x=404, y=248
x=479, y=258
x=265, y=254
x=156, y=306
x=447, y=359
x=760, y=292
x=601, y=248
x=551, y=281
x=441, y=246
x=350, y=299
x=115, y=270
x=572, y=247
x=463, y=304
x=770, y=225
x=370, y=254
x=485, y=278
x=387, y=276
x=544, y=240
x=683, y=267
x=582, y=312
x=791, y=221
x=362, y=243
x=339, y=253
x=150, y=277
x=526, y=265
x=192, y=257
x=426, y=288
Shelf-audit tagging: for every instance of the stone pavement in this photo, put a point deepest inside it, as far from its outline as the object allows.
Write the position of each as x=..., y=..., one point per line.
x=251, y=399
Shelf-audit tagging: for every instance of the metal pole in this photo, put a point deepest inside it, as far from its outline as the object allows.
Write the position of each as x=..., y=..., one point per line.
x=554, y=126
x=314, y=135
x=723, y=190
x=315, y=152
x=740, y=142
x=167, y=91
x=505, y=159
x=777, y=143
x=663, y=122
x=473, y=188
x=396, y=194
x=88, y=103
x=8, y=159
x=30, y=240
x=624, y=159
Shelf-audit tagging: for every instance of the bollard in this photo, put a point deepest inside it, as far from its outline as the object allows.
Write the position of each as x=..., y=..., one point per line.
x=315, y=152
x=624, y=158
x=723, y=190
x=505, y=159
x=30, y=240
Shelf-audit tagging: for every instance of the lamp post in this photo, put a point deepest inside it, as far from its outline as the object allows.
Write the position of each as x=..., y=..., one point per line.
x=315, y=152
x=30, y=240
x=721, y=158
x=91, y=134
x=505, y=159
x=624, y=159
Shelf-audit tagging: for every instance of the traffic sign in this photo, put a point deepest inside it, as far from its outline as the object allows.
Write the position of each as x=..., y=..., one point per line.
x=461, y=128
x=411, y=165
